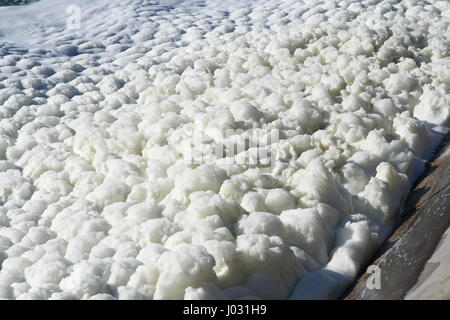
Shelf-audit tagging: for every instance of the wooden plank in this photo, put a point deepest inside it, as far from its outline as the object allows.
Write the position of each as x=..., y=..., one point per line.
x=426, y=217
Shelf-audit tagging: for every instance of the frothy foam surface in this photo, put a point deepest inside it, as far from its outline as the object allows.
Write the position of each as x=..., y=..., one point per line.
x=100, y=103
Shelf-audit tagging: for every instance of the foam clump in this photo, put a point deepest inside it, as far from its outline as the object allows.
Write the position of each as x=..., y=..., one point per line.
x=105, y=193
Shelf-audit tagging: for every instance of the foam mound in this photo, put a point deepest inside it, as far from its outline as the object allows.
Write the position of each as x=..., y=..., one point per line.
x=99, y=199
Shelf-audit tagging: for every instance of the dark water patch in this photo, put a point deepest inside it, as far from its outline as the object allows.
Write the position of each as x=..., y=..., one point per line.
x=5, y=3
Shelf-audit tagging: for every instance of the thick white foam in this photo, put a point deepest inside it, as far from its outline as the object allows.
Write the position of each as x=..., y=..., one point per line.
x=98, y=199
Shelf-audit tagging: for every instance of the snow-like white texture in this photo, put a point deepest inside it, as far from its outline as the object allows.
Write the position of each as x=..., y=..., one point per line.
x=97, y=198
